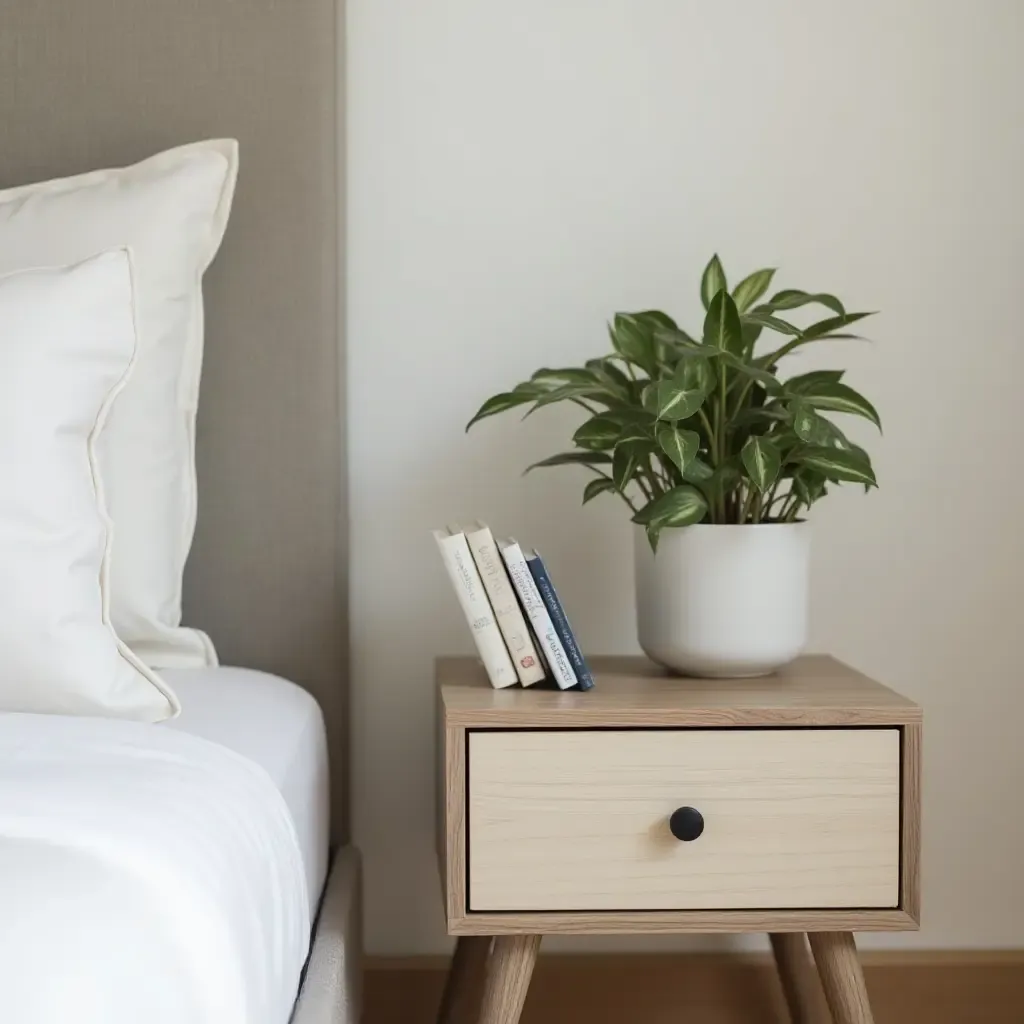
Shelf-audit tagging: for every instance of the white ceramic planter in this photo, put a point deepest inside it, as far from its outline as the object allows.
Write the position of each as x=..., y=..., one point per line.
x=725, y=601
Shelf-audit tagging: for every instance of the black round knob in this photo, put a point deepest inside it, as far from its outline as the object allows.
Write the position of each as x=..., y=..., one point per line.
x=686, y=824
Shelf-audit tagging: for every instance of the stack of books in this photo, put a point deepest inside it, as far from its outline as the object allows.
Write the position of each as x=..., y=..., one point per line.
x=518, y=623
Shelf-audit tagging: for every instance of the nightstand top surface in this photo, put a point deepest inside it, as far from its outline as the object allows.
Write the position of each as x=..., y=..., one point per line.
x=815, y=690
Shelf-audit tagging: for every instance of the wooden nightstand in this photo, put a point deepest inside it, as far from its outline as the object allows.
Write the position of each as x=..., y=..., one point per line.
x=653, y=804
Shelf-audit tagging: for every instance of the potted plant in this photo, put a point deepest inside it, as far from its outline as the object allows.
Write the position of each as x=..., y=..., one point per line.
x=718, y=457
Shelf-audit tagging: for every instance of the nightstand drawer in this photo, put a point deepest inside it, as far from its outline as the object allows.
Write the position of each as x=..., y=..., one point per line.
x=563, y=820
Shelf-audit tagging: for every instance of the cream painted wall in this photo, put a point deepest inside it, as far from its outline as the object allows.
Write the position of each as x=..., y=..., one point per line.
x=517, y=172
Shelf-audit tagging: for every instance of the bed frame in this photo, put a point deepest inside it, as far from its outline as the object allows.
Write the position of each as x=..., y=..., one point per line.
x=107, y=82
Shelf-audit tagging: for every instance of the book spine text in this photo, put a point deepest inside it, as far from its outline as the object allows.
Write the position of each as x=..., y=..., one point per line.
x=507, y=612
x=540, y=620
x=476, y=607
x=584, y=678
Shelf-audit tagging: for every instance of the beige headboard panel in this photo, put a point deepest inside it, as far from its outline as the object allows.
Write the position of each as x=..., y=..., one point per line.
x=91, y=83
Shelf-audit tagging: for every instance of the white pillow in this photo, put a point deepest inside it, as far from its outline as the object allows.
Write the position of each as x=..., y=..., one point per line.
x=171, y=211
x=67, y=345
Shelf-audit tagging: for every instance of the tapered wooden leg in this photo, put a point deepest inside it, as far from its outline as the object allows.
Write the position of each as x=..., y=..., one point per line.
x=835, y=953
x=796, y=972
x=508, y=978
x=460, y=1003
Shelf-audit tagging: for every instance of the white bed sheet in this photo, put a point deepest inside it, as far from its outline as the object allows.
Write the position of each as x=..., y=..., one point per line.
x=145, y=875
x=280, y=727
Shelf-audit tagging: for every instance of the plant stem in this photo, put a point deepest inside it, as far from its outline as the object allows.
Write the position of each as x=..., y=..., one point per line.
x=720, y=435
x=706, y=424
x=720, y=416
x=784, y=497
x=663, y=475
x=791, y=503
x=625, y=497
x=743, y=396
x=769, y=495
x=645, y=488
x=748, y=506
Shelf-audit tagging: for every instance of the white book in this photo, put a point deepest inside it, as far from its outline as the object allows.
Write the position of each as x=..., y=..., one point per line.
x=469, y=589
x=537, y=613
x=505, y=604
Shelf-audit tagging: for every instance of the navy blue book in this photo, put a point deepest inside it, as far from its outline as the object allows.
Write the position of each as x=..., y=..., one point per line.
x=585, y=679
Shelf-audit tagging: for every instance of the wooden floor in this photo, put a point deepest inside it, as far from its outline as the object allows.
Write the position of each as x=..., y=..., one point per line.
x=947, y=987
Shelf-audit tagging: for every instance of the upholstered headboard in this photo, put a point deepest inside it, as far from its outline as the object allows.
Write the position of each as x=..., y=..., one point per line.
x=99, y=83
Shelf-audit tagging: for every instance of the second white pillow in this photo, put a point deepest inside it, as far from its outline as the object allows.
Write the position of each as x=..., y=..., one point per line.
x=67, y=346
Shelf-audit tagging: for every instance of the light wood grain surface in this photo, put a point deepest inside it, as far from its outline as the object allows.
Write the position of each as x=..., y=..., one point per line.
x=815, y=690
x=634, y=693
x=910, y=885
x=562, y=820
x=798, y=978
x=453, y=865
x=679, y=922
x=508, y=978
x=842, y=978
x=463, y=989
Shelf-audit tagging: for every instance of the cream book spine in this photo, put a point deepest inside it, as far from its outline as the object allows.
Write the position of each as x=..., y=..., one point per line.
x=469, y=589
x=505, y=604
x=537, y=613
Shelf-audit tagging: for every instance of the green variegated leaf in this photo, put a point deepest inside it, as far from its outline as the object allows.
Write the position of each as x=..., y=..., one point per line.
x=681, y=506
x=681, y=446
x=785, y=441
x=624, y=465
x=840, y=398
x=653, y=536
x=712, y=281
x=668, y=401
x=607, y=373
x=506, y=400
x=796, y=385
x=565, y=375
x=832, y=435
x=823, y=330
x=596, y=487
x=677, y=339
x=638, y=435
x=762, y=461
x=809, y=486
x=599, y=433
x=751, y=332
x=792, y=298
x=566, y=393
x=724, y=479
x=634, y=341
x=695, y=375
x=773, y=323
x=808, y=425
x=763, y=416
x=656, y=320
x=535, y=387
x=767, y=380
x=751, y=288
x=722, y=327
x=571, y=459
x=827, y=327
x=697, y=471
x=837, y=464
